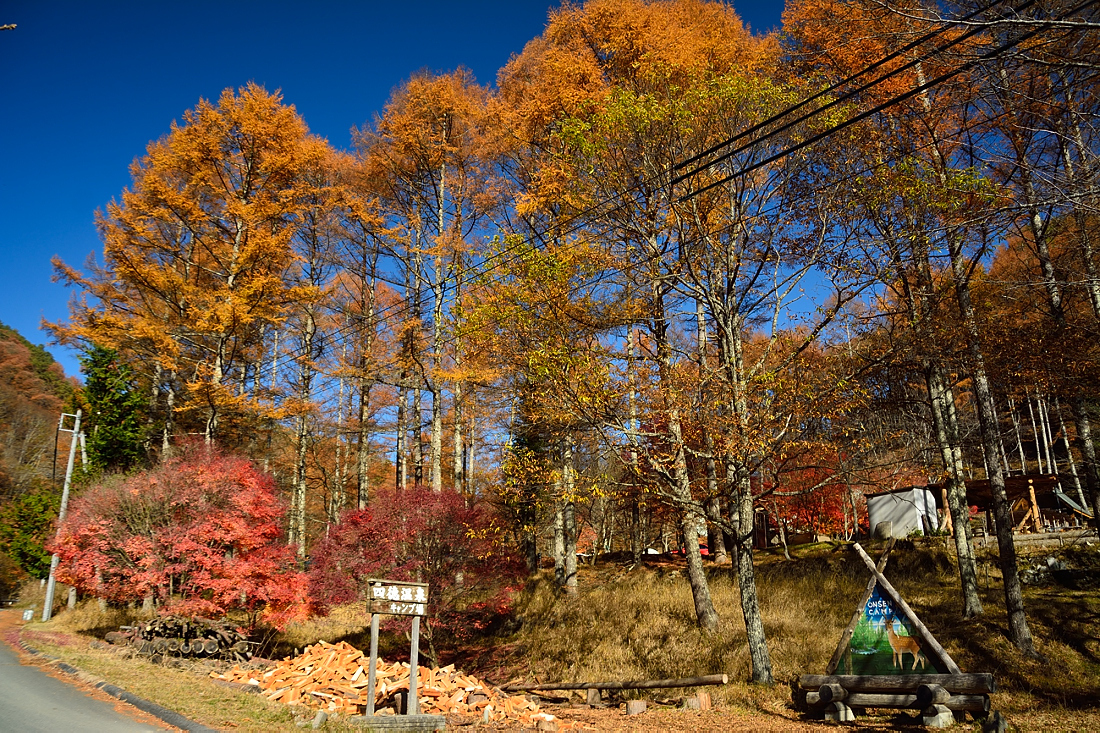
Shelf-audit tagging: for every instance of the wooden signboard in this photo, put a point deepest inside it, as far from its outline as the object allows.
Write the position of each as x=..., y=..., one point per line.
x=887, y=658
x=884, y=642
x=885, y=637
x=398, y=598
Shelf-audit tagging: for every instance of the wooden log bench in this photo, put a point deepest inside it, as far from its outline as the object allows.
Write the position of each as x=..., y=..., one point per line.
x=938, y=696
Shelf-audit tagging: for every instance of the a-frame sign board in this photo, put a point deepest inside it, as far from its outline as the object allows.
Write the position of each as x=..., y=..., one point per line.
x=884, y=636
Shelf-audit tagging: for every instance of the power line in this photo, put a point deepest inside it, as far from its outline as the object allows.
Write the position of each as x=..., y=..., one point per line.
x=833, y=87
x=879, y=108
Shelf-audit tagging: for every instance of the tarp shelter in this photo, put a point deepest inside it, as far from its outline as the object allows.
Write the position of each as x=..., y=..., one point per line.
x=905, y=509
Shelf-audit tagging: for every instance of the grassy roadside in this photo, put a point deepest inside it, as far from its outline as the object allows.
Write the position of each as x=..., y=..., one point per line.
x=186, y=689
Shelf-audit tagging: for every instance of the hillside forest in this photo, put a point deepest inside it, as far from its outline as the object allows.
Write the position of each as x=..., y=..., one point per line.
x=664, y=278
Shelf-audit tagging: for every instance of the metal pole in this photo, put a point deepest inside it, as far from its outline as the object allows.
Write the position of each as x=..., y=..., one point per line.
x=56, y=434
x=373, y=663
x=47, y=608
x=413, y=708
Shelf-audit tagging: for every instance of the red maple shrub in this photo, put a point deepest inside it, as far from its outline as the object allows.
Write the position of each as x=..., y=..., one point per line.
x=444, y=539
x=202, y=532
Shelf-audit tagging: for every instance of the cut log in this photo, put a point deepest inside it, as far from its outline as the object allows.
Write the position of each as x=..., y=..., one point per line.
x=832, y=692
x=958, y=684
x=969, y=703
x=117, y=637
x=928, y=695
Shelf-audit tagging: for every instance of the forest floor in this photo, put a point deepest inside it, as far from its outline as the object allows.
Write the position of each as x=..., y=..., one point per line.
x=631, y=622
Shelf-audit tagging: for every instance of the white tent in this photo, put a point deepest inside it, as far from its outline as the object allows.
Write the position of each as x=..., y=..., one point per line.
x=904, y=509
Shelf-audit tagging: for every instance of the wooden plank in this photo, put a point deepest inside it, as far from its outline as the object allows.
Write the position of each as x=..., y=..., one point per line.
x=847, y=635
x=960, y=684
x=710, y=679
x=919, y=627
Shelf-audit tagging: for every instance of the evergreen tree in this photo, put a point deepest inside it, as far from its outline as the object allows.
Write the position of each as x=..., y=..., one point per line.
x=26, y=523
x=115, y=426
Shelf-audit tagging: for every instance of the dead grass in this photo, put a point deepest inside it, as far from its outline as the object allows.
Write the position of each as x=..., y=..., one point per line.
x=640, y=625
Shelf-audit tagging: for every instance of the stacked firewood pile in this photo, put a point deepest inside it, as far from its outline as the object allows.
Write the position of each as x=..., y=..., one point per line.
x=179, y=636
x=333, y=677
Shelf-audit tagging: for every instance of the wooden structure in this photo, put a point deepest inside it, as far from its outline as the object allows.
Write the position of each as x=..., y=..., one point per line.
x=940, y=689
x=1037, y=502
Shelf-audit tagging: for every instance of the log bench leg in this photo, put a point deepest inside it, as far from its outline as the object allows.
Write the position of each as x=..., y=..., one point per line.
x=839, y=712
x=937, y=716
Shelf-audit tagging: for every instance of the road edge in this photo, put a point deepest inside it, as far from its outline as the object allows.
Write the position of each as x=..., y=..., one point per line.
x=171, y=717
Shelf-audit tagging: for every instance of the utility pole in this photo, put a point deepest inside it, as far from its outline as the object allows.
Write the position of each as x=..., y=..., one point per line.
x=47, y=608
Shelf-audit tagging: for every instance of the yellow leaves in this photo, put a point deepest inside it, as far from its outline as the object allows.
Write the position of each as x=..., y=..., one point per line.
x=198, y=249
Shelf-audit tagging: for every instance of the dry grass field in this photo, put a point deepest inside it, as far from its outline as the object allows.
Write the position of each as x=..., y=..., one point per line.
x=637, y=623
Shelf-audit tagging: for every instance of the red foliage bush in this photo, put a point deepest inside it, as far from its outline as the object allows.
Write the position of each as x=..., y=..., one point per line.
x=419, y=535
x=202, y=531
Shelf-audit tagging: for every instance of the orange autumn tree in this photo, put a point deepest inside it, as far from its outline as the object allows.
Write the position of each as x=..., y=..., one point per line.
x=424, y=161
x=607, y=101
x=195, y=256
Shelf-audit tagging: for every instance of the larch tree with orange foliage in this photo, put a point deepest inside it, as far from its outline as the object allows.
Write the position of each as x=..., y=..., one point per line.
x=195, y=258
x=424, y=156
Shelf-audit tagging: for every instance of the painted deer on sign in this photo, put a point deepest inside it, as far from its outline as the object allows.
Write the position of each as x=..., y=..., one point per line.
x=903, y=644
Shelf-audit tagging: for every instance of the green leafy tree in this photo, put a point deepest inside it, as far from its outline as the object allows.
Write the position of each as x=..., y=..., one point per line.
x=115, y=423
x=26, y=524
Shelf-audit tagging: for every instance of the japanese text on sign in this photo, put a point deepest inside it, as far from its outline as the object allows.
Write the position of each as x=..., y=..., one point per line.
x=402, y=599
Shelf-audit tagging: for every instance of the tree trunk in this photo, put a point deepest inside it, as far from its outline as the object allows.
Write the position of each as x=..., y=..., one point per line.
x=989, y=429
x=1069, y=454
x=569, y=516
x=362, y=462
x=169, y=417
x=947, y=437
x=416, y=436
x=558, y=547
x=1019, y=632
x=741, y=502
x=1088, y=455
x=459, y=442
x=1019, y=437
x=680, y=487
x=746, y=580
x=1035, y=434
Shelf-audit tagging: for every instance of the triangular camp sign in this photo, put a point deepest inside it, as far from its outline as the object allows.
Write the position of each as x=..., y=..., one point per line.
x=885, y=637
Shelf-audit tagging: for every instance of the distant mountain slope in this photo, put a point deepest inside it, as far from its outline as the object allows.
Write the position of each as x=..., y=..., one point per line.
x=33, y=389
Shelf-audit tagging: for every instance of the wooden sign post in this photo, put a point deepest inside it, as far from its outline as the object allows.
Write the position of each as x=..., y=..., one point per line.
x=396, y=598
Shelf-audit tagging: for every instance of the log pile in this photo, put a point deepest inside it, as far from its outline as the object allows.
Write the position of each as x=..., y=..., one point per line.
x=184, y=637
x=333, y=677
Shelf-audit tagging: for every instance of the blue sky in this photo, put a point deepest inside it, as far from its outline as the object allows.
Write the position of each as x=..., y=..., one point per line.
x=85, y=86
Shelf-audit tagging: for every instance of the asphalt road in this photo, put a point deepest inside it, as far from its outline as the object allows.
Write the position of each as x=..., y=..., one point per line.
x=33, y=702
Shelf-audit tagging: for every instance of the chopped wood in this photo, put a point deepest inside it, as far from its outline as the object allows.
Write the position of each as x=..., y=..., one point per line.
x=333, y=678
